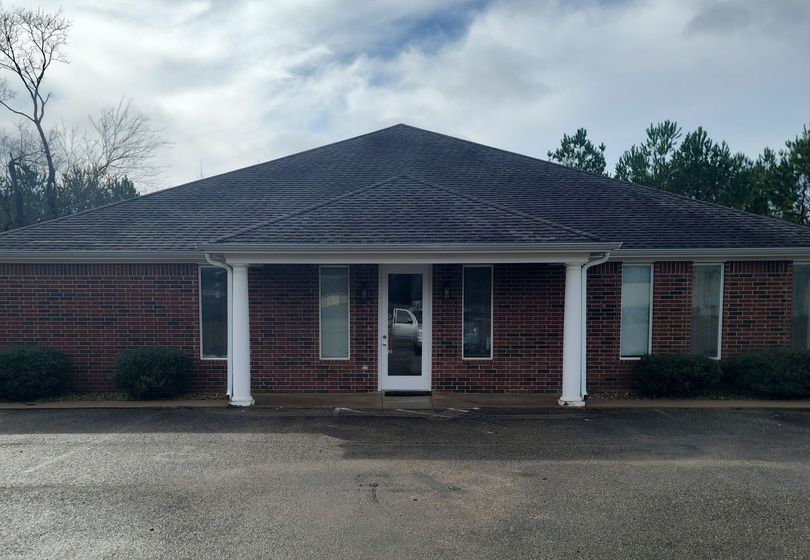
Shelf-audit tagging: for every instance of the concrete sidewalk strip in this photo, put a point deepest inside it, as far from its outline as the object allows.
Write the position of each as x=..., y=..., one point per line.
x=376, y=401
x=319, y=400
x=408, y=402
x=722, y=404
x=495, y=400
x=79, y=404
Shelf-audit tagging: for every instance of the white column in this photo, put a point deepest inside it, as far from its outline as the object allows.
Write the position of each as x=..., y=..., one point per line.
x=241, y=338
x=230, y=332
x=572, y=337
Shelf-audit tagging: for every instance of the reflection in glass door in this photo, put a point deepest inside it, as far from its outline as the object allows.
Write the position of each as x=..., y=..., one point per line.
x=405, y=324
x=404, y=332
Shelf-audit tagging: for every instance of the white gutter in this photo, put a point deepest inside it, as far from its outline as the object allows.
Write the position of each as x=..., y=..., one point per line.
x=583, y=383
x=229, y=272
x=276, y=248
x=730, y=253
x=127, y=257
x=617, y=253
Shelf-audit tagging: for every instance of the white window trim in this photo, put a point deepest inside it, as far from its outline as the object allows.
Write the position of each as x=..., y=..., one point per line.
x=649, y=322
x=491, y=312
x=793, y=288
x=348, y=313
x=722, y=266
x=199, y=313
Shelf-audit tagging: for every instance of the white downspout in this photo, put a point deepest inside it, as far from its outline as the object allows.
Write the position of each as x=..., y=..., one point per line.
x=229, y=272
x=583, y=383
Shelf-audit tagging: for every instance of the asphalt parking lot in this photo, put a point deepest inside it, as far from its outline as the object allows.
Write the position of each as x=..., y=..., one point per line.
x=222, y=483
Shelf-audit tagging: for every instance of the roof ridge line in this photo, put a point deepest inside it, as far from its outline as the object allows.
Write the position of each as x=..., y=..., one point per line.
x=197, y=181
x=650, y=192
x=280, y=158
x=645, y=189
x=505, y=209
x=59, y=218
x=378, y=184
x=510, y=152
x=347, y=194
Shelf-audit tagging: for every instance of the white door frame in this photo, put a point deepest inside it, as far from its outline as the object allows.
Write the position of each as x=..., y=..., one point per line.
x=406, y=382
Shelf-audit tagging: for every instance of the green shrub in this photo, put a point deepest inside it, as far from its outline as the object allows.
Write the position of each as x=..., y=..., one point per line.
x=676, y=375
x=31, y=372
x=775, y=374
x=152, y=372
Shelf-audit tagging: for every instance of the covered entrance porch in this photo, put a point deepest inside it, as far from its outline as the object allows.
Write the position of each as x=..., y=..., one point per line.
x=413, y=322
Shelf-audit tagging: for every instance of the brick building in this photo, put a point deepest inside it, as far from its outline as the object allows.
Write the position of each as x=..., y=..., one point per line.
x=405, y=260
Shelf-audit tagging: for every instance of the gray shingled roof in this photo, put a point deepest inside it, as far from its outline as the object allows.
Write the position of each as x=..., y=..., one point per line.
x=184, y=218
x=404, y=211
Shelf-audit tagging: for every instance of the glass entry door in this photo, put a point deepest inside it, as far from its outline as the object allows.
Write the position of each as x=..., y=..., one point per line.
x=405, y=327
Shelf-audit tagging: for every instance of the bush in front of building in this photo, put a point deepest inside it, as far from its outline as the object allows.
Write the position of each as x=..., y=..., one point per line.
x=152, y=372
x=775, y=374
x=676, y=375
x=29, y=372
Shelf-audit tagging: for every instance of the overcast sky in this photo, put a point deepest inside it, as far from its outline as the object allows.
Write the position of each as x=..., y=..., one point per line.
x=232, y=83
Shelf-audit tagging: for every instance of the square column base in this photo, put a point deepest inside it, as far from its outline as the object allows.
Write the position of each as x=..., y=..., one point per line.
x=242, y=402
x=571, y=403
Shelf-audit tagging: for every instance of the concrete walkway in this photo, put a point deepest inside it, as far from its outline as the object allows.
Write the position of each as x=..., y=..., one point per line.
x=377, y=400
x=437, y=401
x=79, y=404
x=724, y=404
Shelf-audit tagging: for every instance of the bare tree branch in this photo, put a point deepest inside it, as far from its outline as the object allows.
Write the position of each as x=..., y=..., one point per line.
x=30, y=41
x=24, y=154
x=126, y=143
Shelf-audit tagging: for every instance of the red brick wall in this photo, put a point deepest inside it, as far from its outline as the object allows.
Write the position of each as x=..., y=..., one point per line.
x=757, y=301
x=672, y=307
x=671, y=321
x=92, y=312
x=527, y=328
x=756, y=314
x=528, y=309
x=285, y=347
x=605, y=371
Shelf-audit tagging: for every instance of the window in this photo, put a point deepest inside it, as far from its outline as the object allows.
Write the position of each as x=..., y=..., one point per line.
x=636, y=310
x=707, y=307
x=801, y=306
x=477, y=314
x=334, y=312
x=213, y=312
x=401, y=316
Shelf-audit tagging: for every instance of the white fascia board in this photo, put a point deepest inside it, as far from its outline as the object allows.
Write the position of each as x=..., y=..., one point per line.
x=418, y=255
x=79, y=257
x=405, y=258
x=378, y=253
x=326, y=255
x=410, y=254
x=712, y=255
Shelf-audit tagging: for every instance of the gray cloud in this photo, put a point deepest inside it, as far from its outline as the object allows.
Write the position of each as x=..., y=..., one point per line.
x=721, y=16
x=234, y=83
x=779, y=17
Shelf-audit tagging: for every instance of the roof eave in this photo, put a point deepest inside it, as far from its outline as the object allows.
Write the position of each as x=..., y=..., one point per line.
x=256, y=248
x=615, y=250
x=100, y=256
x=713, y=253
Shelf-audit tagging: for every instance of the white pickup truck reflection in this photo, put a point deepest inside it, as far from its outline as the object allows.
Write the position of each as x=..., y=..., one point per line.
x=405, y=328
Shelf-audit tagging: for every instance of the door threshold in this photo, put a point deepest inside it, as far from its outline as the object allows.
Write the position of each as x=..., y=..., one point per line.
x=407, y=393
